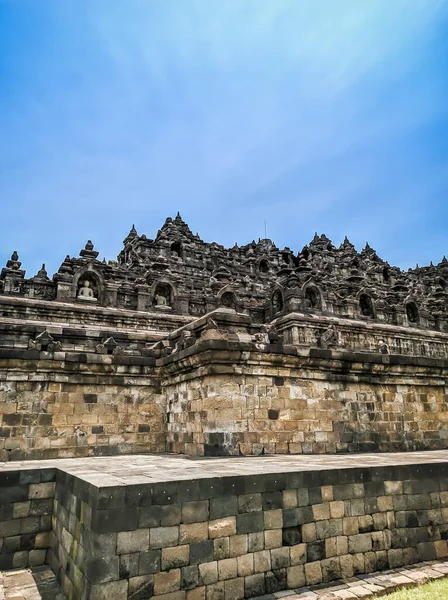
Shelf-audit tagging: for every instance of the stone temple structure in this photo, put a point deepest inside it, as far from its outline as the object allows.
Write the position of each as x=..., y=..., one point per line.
x=108, y=370
x=188, y=347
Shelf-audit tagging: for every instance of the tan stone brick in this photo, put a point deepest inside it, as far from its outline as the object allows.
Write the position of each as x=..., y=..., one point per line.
x=208, y=573
x=441, y=548
x=321, y=511
x=262, y=561
x=313, y=573
x=227, y=568
x=392, y=488
x=245, y=565
x=222, y=527
x=193, y=532
x=41, y=490
x=337, y=509
x=238, y=545
x=221, y=548
x=165, y=582
x=290, y=499
x=309, y=532
x=350, y=525
x=234, y=589
x=43, y=539
x=21, y=510
x=273, y=539
x=297, y=554
x=327, y=493
x=295, y=576
x=385, y=503
x=273, y=519
x=174, y=557
x=347, y=568
x=196, y=594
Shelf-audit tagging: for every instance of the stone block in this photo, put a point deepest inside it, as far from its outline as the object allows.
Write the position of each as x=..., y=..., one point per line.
x=133, y=541
x=255, y=541
x=163, y=537
x=221, y=548
x=101, y=570
x=194, y=532
x=189, y=577
x=273, y=539
x=208, y=573
x=262, y=561
x=295, y=576
x=118, y=590
x=201, y=552
x=234, y=589
x=313, y=573
x=245, y=565
x=254, y=585
x=360, y=543
x=290, y=499
x=250, y=522
x=250, y=503
x=149, y=562
x=175, y=557
x=238, y=545
x=128, y=565
x=41, y=490
x=227, y=568
x=298, y=555
x=225, y=526
x=224, y=506
x=166, y=582
x=141, y=586
x=195, y=512
x=280, y=558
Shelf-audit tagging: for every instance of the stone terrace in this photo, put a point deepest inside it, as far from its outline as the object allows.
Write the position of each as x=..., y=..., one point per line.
x=179, y=528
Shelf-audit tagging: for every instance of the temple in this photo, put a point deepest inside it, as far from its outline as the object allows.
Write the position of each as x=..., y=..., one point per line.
x=108, y=370
x=185, y=346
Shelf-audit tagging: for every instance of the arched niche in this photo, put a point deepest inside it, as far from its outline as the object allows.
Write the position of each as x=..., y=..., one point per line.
x=263, y=266
x=228, y=300
x=312, y=297
x=412, y=313
x=163, y=295
x=277, y=302
x=176, y=250
x=366, y=306
x=85, y=280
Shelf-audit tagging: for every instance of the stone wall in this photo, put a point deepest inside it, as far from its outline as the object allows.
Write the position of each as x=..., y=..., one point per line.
x=226, y=400
x=71, y=404
x=26, y=506
x=241, y=536
x=219, y=397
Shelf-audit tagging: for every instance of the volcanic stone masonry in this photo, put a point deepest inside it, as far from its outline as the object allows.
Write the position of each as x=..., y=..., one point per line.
x=183, y=346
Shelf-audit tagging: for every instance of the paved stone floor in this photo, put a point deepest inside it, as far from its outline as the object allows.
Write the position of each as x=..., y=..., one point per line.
x=39, y=583
x=151, y=468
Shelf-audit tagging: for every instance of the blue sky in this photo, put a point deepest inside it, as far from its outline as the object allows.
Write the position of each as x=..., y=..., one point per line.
x=316, y=115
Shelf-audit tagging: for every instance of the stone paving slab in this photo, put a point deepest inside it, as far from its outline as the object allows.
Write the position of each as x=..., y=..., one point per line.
x=40, y=583
x=152, y=468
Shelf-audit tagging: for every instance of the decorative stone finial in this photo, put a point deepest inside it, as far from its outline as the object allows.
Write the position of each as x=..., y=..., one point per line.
x=42, y=273
x=88, y=251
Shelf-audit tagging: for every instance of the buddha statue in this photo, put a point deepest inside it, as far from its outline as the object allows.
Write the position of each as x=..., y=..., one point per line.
x=85, y=292
x=161, y=299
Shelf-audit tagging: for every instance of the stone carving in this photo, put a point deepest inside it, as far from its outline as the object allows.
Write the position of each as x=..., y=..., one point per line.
x=328, y=338
x=85, y=292
x=45, y=342
x=346, y=283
